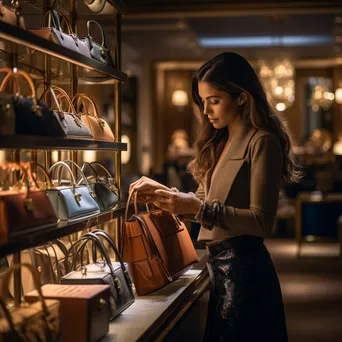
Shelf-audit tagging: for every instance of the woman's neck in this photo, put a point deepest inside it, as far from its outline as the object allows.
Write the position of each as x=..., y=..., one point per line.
x=234, y=128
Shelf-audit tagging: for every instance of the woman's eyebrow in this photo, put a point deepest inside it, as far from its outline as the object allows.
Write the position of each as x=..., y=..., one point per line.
x=208, y=97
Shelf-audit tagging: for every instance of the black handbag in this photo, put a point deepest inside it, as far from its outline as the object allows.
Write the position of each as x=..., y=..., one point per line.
x=100, y=52
x=102, y=273
x=31, y=116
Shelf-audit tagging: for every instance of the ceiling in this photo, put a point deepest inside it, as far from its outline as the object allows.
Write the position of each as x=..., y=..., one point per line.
x=173, y=29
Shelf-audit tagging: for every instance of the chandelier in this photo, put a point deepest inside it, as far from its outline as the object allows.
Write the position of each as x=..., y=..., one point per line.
x=321, y=96
x=278, y=80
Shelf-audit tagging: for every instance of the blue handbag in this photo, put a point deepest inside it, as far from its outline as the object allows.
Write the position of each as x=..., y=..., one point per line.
x=71, y=202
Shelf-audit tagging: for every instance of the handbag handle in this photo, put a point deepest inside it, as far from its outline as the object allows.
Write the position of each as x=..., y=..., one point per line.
x=8, y=316
x=114, y=248
x=92, y=237
x=91, y=166
x=83, y=97
x=63, y=94
x=8, y=71
x=55, y=20
x=29, y=165
x=81, y=173
x=133, y=194
x=36, y=281
x=35, y=107
x=62, y=164
x=103, y=43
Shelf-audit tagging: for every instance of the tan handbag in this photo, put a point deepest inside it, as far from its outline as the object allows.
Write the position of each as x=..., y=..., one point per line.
x=28, y=323
x=12, y=15
x=98, y=127
x=157, y=248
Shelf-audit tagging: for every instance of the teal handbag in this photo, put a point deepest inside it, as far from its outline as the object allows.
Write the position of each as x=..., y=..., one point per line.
x=107, y=193
x=71, y=202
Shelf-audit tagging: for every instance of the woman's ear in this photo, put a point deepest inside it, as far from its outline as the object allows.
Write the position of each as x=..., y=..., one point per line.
x=242, y=99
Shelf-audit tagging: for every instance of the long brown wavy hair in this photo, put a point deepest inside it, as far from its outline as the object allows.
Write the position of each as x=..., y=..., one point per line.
x=232, y=73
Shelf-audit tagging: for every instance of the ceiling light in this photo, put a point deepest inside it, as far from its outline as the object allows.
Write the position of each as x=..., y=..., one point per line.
x=267, y=41
x=180, y=98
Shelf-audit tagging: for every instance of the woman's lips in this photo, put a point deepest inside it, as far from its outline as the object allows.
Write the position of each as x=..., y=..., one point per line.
x=213, y=120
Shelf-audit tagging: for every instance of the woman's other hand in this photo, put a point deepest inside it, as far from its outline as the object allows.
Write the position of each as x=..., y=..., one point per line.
x=177, y=202
x=145, y=188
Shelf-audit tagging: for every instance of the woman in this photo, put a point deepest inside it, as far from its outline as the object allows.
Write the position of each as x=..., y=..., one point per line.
x=243, y=152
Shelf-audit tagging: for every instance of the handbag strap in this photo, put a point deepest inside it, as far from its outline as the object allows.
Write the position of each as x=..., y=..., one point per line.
x=114, y=248
x=62, y=164
x=28, y=167
x=55, y=20
x=36, y=281
x=9, y=319
x=103, y=43
x=133, y=194
x=91, y=165
x=82, y=97
x=8, y=71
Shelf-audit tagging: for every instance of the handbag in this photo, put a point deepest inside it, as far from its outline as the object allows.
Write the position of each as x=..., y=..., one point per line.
x=102, y=273
x=34, y=322
x=157, y=247
x=55, y=34
x=72, y=202
x=100, y=52
x=98, y=127
x=23, y=208
x=12, y=15
x=31, y=116
x=7, y=114
x=107, y=193
x=71, y=124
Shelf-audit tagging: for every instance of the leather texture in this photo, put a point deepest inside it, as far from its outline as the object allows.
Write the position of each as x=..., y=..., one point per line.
x=16, y=217
x=70, y=124
x=103, y=272
x=56, y=35
x=8, y=15
x=85, y=310
x=100, y=52
x=99, y=128
x=158, y=249
x=39, y=321
x=245, y=301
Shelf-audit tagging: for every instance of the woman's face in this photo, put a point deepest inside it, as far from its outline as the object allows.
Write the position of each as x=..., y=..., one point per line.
x=219, y=106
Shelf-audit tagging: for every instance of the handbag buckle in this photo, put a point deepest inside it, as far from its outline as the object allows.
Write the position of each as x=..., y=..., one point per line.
x=117, y=283
x=84, y=270
x=28, y=204
x=77, y=197
x=102, y=303
x=92, y=194
x=78, y=121
x=101, y=123
x=61, y=114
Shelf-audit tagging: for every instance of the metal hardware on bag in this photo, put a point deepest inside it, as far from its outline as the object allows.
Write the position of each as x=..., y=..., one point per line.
x=117, y=283
x=102, y=303
x=103, y=52
x=39, y=269
x=61, y=114
x=84, y=270
x=77, y=197
x=92, y=194
x=101, y=123
x=28, y=204
x=113, y=188
x=78, y=121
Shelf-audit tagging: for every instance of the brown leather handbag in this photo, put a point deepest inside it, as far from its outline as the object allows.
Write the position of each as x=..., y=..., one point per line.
x=23, y=208
x=157, y=248
x=98, y=127
x=12, y=15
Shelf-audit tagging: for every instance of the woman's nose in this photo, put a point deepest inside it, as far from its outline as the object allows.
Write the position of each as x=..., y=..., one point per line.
x=206, y=109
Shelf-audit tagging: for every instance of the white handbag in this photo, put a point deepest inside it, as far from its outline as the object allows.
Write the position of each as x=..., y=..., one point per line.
x=71, y=202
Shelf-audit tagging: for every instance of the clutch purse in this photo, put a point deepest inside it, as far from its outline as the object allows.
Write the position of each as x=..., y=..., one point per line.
x=100, y=52
x=149, y=239
x=55, y=34
x=107, y=194
x=69, y=122
x=98, y=127
x=72, y=202
x=101, y=273
x=34, y=322
x=23, y=208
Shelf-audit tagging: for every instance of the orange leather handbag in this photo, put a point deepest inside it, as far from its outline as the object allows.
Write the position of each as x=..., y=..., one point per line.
x=98, y=127
x=23, y=208
x=157, y=248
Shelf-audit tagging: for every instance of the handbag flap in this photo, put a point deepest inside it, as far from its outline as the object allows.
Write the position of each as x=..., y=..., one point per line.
x=165, y=222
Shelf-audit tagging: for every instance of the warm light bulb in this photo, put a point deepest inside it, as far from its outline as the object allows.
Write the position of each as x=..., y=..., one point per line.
x=126, y=155
x=278, y=90
x=180, y=98
x=338, y=95
x=280, y=106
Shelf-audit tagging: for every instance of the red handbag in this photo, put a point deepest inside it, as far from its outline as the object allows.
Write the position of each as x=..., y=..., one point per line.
x=23, y=207
x=157, y=248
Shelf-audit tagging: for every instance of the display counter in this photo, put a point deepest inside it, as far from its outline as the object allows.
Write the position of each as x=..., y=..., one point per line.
x=151, y=317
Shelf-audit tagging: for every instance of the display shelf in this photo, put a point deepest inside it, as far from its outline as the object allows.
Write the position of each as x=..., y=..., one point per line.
x=17, y=35
x=37, y=236
x=32, y=142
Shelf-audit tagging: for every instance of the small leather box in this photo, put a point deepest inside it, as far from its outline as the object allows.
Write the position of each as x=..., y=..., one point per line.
x=84, y=310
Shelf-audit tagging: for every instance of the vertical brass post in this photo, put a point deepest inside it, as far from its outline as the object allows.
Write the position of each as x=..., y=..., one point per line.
x=17, y=280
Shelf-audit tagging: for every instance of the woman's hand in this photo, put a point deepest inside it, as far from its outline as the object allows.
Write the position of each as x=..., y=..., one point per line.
x=177, y=202
x=146, y=187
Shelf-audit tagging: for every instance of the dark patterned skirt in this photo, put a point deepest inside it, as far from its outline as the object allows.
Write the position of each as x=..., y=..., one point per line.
x=245, y=302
